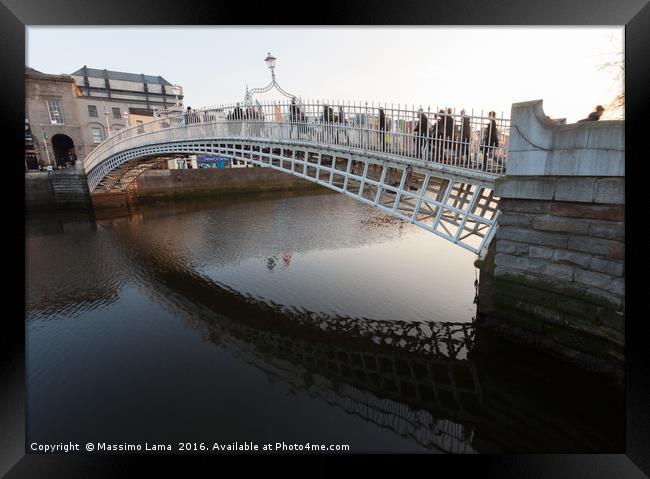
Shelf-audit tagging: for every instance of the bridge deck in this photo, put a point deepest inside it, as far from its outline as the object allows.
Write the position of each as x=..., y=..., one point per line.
x=441, y=182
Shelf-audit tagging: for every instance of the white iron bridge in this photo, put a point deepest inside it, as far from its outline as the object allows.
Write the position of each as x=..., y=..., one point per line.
x=434, y=169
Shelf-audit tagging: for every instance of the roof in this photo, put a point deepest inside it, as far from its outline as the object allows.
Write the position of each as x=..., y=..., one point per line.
x=31, y=72
x=113, y=75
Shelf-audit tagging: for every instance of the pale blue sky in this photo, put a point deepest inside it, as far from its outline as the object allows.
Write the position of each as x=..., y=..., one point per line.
x=461, y=67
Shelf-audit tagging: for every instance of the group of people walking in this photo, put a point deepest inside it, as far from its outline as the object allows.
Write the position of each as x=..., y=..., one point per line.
x=442, y=138
x=442, y=141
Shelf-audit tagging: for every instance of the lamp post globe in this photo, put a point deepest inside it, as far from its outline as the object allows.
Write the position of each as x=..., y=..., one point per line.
x=270, y=61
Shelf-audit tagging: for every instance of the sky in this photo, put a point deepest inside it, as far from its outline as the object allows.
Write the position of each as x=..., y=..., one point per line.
x=479, y=68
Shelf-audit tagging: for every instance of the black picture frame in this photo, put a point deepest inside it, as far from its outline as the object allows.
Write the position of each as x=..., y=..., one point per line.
x=15, y=15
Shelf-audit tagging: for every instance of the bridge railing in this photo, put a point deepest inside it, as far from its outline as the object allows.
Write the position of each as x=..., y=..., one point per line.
x=474, y=141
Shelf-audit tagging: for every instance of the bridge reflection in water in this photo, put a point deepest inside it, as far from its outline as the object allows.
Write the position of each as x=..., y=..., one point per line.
x=429, y=381
x=448, y=386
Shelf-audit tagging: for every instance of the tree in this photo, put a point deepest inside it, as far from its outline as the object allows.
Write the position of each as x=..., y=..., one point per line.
x=616, y=65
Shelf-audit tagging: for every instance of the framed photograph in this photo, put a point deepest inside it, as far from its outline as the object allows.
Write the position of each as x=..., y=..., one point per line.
x=399, y=231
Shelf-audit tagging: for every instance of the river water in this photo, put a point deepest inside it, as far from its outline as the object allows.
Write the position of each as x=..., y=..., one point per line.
x=283, y=318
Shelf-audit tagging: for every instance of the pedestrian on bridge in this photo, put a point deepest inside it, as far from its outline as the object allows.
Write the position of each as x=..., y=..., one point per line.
x=342, y=134
x=277, y=112
x=295, y=116
x=490, y=138
x=237, y=115
x=594, y=115
x=382, y=129
x=438, y=136
x=327, y=120
x=449, y=134
x=257, y=117
x=465, y=130
x=421, y=134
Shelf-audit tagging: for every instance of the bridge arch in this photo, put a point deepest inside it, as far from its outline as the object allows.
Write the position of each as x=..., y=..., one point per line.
x=450, y=195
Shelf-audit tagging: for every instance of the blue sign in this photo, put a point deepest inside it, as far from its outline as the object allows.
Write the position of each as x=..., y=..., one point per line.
x=213, y=161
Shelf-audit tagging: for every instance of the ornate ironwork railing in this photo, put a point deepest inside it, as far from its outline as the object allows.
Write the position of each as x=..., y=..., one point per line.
x=473, y=141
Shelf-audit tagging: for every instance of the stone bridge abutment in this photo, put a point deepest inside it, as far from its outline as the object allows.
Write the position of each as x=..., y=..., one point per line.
x=556, y=266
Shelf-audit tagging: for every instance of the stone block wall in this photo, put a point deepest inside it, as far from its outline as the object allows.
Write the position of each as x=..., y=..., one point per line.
x=155, y=184
x=557, y=263
x=56, y=190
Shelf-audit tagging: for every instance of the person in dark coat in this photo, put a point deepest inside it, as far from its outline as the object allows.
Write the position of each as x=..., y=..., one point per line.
x=295, y=116
x=328, y=114
x=594, y=115
x=440, y=124
x=238, y=113
x=342, y=134
x=449, y=133
x=294, y=111
x=255, y=115
x=438, y=130
x=465, y=132
x=421, y=133
x=490, y=138
x=449, y=125
x=327, y=119
x=382, y=129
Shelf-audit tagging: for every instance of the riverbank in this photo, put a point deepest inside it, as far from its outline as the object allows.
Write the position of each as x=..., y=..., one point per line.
x=69, y=190
x=154, y=186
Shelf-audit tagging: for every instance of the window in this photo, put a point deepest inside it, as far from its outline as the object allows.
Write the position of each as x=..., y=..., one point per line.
x=56, y=114
x=140, y=127
x=97, y=135
x=117, y=114
x=92, y=110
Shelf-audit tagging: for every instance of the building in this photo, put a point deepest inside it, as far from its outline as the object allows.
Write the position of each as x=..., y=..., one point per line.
x=31, y=155
x=110, y=100
x=53, y=133
x=67, y=116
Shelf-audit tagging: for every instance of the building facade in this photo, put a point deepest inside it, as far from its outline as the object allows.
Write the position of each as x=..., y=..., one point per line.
x=67, y=116
x=52, y=130
x=111, y=100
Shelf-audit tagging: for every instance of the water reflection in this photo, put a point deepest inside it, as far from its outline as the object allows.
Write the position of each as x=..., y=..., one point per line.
x=414, y=378
x=439, y=384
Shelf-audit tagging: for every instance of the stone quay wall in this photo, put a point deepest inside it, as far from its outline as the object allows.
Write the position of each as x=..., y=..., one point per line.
x=156, y=185
x=557, y=261
x=56, y=190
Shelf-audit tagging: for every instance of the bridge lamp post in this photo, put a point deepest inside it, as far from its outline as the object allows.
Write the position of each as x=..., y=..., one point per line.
x=177, y=90
x=108, y=126
x=270, y=62
x=126, y=117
